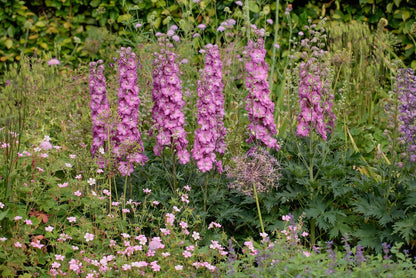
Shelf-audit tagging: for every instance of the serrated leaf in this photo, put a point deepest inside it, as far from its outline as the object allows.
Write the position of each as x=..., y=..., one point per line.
x=406, y=228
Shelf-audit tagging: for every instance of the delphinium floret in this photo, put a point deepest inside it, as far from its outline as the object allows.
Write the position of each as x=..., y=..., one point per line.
x=258, y=104
x=167, y=115
x=209, y=137
x=128, y=143
x=100, y=108
x=406, y=90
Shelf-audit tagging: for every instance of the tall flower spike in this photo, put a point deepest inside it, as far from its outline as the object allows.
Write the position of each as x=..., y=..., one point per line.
x=167, y=114
x=100, y=107
x=129, y=145
x=258, y=104
x=210, y=137
x=315, y=100
x=406, y=89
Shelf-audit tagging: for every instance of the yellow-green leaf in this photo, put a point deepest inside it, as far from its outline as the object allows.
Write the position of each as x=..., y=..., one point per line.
x=43, y=45
x=40, y=24
x=9, y=43
x=253, y=7
x=124, y=17
x=406, y=14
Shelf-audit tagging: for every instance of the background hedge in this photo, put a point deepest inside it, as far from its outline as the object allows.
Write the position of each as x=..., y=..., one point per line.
x=83, y=29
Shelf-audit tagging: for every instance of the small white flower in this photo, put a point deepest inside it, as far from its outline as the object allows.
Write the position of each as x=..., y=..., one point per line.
x=91, y=181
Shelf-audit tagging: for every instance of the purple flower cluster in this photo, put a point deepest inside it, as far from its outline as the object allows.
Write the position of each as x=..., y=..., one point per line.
x=315, y=101
x=258, y=104
x=167, y=114
x=128, y=142
x=406, y=90
x=100, y=106
x=211, y=134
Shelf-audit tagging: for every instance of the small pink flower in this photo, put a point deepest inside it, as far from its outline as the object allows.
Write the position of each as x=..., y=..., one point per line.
x=53, y=62
x=183, y=225
x=45, y=145
x=126, y=267
x=28, y=222
x=187, y=254
x=178, y=267
x=195, y=235
x=305, y=234
x=17, y=218
x=106, y=192
x=37, y=244
x=72, y=219
x=40, y=169
x=147, y=191
x=59, y=257
x=165, y=232
x=187, y=188
x=89, y=237
x=49, y=229
x=17, y=244
x=214, y=224
x=62, y=185
x=306, y=253
x=78, y=193
x=155, y=266
x=263, y=235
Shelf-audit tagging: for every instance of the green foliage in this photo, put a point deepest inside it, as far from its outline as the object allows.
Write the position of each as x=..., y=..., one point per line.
x=326, y=197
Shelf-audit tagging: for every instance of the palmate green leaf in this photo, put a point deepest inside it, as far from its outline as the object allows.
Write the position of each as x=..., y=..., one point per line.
x=291, y=193
x=368, y=236
x=406, y=228
x=343, y=225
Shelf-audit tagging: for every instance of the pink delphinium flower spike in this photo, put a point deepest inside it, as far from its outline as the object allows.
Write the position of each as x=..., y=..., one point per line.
x=258, y=104
x=209, y=137
x=100, y=108
x=129, y=145
x=167, y=115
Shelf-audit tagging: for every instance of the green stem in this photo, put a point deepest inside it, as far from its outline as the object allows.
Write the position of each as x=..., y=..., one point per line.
x=175, y=181
x=205, y=192
x=276, y=29
x=166, y=168
x=125, y=189
x=247, y=15
x=258, y=207
x=312, y=234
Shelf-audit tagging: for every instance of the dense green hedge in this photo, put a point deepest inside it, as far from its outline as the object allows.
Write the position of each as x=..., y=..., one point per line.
x=79, y=28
